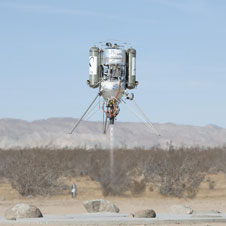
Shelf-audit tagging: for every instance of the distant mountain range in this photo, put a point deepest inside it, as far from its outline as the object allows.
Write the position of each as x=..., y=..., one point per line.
x=53, y=133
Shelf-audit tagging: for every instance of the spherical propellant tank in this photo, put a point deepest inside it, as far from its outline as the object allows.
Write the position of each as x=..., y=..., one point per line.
x=94, y=67
x=131, y=78
x=112, y=89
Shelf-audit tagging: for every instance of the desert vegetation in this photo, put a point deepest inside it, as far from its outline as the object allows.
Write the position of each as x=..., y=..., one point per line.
x=176, y=172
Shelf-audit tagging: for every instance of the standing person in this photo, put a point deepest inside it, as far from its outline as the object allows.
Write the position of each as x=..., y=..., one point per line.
x=74, y=190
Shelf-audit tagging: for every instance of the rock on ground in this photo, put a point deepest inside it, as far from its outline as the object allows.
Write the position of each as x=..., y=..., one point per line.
x=148, y=213
x=180, y=209
x=100, y=205
x=22, y=210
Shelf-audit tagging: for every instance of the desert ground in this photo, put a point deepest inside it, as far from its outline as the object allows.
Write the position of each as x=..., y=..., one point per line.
x=205, y=201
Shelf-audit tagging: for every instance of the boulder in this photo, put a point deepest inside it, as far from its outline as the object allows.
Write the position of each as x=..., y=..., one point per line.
x=148, y=213
x=100, y=205
x=180, y=209
x=2, y=198
x=22, y=210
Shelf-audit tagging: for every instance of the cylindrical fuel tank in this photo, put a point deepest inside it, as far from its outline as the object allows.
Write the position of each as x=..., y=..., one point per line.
x=113, y=56
x=94, y=67
x=131, y=78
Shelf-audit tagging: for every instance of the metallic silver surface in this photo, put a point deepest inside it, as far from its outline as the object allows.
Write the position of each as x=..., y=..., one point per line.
x=131, y=83
x=113, y=70
x=110, y=88
x=94, y=67
x=113, y=56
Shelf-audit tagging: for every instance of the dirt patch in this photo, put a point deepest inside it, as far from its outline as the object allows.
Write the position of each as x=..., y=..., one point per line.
x=213, y=186
x=7, y=192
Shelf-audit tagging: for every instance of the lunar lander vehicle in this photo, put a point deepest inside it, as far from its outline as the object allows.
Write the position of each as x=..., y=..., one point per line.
x=112, y=70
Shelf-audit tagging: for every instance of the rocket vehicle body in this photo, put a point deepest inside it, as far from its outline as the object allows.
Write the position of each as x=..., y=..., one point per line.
x=113, y=70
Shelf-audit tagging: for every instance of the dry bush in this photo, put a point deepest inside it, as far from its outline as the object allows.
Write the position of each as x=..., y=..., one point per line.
x=100, y=171
x=177, y=172
x=181, y=175
x=31, y=172
x=137, y=187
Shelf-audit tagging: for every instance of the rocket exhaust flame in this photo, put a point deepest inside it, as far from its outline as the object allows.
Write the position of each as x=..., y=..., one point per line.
x=111, y=136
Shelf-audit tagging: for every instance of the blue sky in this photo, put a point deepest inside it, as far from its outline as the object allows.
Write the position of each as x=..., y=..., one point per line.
x=181, y=57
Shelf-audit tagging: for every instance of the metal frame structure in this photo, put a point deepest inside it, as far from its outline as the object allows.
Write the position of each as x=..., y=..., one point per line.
x=112, y=69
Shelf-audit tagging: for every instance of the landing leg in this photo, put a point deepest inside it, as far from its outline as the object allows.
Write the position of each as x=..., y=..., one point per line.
x=84, y=114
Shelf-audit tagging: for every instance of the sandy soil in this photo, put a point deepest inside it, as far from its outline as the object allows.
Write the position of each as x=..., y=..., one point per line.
x=206, y=200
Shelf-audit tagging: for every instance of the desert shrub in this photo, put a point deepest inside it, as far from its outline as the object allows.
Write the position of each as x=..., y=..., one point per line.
x=177, y=172
x=112, y=183
x=116, y=185
x=31, y=173
x=137, y=187
x=181, y=175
